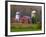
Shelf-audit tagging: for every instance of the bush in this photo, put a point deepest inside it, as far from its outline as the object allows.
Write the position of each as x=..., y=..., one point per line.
x=35, y=19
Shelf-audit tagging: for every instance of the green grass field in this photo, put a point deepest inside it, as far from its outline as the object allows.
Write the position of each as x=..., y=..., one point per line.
x=19, y=27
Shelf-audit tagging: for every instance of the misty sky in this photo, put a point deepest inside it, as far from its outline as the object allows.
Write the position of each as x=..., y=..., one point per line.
x=25, y=10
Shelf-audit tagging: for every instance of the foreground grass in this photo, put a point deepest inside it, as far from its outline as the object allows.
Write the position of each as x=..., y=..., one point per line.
x=17, y=27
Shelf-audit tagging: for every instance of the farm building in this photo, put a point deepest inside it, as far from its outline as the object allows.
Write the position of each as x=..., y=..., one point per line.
x=24, y=12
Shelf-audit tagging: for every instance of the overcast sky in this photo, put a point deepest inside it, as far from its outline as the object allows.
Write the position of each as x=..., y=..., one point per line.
x=25, y=10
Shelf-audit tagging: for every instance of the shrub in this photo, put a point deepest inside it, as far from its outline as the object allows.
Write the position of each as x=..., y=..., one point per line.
x=35, y=19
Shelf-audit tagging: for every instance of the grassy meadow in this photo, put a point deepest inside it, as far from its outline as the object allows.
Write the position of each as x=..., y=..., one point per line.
x=19, y=27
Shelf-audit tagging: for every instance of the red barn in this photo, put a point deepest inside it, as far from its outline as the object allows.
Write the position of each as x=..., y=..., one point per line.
x=25, y=19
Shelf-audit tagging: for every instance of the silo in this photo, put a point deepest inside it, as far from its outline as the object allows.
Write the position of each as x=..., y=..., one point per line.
x=17, y=16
